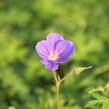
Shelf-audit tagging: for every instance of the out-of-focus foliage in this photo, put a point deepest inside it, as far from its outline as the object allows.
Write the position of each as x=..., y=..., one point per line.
x=24, y=82
x=101, y=98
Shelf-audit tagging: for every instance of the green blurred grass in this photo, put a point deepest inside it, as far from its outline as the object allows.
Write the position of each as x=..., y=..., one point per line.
x=24, y=82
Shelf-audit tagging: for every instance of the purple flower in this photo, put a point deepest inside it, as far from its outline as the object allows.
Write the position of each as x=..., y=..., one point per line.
x=54, y=50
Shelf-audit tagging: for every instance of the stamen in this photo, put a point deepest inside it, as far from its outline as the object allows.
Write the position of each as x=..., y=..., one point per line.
x=53, y=56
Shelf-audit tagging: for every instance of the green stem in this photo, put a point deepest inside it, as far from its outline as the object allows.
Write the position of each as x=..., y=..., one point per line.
x=57, y=83
x=57, y=91
x=66, y=76
x=55, y=77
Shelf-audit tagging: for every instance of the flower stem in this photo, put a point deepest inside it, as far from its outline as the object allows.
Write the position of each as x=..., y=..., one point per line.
x=57, y=83
x=57, y=91
x=55, y=77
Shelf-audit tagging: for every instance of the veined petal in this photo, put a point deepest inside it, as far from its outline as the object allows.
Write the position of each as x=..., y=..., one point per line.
x=43, y=49
x=64, y=49
x=50, y=64
x=53, y=39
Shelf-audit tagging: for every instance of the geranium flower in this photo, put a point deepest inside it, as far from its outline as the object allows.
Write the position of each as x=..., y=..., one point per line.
x=54, y=50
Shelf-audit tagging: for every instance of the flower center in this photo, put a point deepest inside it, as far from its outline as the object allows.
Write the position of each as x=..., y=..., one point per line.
x=53, y=56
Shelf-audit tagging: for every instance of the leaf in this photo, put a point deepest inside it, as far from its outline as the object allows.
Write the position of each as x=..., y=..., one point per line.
x=105, y=106
x=100, y=98
x=99, y=89
x=92, y=103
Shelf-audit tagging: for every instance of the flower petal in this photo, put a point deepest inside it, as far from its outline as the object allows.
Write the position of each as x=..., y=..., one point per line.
x=53, y=39
x=64, y=49
x=50, y=64
x=43, y=49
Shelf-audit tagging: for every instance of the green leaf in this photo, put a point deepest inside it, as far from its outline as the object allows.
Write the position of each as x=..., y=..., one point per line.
x=100, y=98
x=92, y=103
x=105, y=106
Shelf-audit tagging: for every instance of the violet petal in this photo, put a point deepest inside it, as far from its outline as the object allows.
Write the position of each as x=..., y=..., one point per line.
x=43, y=49
x=64, y=49
x=50, y=64
x=53, y=39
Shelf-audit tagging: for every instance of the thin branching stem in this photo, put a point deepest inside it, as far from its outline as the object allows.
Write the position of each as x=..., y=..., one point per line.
x=58, y=81
x=66, y=76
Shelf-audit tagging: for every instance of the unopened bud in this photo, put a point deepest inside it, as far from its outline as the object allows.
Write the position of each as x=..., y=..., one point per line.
x=11, y=107
x=78, y=70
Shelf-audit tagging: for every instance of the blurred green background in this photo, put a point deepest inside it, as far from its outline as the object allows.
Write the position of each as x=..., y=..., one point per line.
x=24, y=81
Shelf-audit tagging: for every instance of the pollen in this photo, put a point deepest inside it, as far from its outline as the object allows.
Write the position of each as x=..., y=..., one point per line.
x=53, y=56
